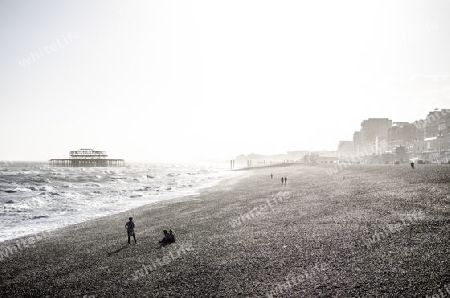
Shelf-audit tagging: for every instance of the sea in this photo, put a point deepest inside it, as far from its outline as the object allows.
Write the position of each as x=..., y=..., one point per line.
x=35, y=197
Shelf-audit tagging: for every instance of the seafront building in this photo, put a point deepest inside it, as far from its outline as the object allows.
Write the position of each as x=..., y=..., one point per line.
x=384, y=141
x=87, y=158
x=372, y=138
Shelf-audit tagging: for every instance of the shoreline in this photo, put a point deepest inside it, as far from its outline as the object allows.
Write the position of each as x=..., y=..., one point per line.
x=330, y=237
x=81, y=218
x=24, y=239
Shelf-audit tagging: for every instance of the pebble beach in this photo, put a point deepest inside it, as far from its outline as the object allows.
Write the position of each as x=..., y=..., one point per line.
x=368, y=230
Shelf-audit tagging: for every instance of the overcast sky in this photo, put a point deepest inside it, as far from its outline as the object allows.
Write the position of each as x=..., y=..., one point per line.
x=182, y=80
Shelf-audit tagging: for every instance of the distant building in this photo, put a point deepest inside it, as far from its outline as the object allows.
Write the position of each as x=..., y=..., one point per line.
x=401, y=154
x=374, y=135
x=87, y=158
x=357, y=143
x=380, y=140
x=296, y=155
x=345, y=149
x=435, y=124
x=326, y=153
x=433, y=136
x=402, y=134
x=419, y=142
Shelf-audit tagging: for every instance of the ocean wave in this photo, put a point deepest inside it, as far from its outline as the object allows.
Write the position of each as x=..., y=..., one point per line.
x=173, y=174
x=46, y=188
x=147, y=188
x=74, y=195
x=40, y=216
x=17, y=189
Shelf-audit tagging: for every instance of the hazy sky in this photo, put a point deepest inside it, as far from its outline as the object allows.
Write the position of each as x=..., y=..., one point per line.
x=174, y=80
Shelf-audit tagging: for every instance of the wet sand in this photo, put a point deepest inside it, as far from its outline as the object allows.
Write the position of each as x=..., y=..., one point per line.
x=364, y=231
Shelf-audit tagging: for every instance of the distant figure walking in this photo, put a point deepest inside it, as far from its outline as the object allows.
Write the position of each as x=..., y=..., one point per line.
x=285, y=180
x=271, y=176
x=130, y=230
x=412, y=165
x=282, y=180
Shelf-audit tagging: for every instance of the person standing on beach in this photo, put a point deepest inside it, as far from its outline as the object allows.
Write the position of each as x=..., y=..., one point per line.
x=282, y=180
x=285, y=180
x=130, y=230
x=271, y=176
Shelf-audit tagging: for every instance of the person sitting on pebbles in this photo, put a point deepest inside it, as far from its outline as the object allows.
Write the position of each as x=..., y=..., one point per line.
x=168, y=237
x=171, y=236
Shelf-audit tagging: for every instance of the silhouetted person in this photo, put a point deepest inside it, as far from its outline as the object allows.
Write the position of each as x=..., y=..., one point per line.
x=285, y=180
x=130, y=230
x=282, y=180
x=171, y=237
x=271, y=176
x=167, y=238
x=412, y=165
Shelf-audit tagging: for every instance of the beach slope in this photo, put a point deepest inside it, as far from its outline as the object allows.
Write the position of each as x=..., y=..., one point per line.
x=362, y=231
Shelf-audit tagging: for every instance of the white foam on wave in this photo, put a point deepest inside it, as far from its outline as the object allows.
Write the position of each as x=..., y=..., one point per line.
x=89, y=193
